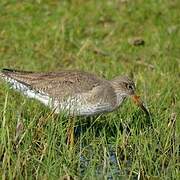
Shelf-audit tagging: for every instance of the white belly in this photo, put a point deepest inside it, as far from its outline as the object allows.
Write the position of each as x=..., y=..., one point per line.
x=78, y=105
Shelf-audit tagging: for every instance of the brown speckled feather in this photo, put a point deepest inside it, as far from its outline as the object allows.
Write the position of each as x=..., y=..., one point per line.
x=64, y=83
x=78, y=93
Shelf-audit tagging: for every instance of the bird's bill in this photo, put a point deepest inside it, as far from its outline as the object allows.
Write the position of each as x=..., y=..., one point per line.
x=137, y=100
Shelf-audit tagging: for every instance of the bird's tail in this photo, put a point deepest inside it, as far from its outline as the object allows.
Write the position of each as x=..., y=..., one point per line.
x=5, y=74
x=11, y=76
x=8, y=74
x=5, y=71
x=2, y=74
x=11, y=73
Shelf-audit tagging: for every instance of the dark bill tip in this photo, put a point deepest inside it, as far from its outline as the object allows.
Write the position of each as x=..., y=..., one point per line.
x=137, y=100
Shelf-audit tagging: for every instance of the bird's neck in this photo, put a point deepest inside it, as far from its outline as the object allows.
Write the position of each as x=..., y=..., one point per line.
x=120, y=98
x=120, y=95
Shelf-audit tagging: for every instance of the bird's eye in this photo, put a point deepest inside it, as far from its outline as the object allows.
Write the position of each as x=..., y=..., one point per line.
x=130, y=87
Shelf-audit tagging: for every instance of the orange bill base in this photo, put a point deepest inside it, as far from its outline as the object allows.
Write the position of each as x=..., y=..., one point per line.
x=137, y=100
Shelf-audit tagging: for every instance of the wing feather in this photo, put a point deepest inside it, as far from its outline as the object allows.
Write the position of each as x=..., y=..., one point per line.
x=56, y=84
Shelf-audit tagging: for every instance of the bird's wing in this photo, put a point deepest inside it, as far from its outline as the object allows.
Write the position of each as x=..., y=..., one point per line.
x=55, y=84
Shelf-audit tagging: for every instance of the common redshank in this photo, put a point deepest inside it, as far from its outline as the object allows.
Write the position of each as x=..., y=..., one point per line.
x=75, y=92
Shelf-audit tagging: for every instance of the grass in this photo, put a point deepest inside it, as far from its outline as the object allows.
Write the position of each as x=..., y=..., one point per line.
x=92, y=36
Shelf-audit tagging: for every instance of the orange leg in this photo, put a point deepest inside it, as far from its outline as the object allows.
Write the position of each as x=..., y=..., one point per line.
x=70, y=132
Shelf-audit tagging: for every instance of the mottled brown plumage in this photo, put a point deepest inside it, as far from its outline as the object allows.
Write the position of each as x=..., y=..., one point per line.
x=79, y=93
x=57, y=84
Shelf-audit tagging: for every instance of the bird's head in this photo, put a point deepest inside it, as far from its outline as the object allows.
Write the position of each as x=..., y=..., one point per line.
x=125, y=87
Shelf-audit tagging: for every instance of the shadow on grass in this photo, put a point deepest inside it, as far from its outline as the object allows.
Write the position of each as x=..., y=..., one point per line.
x=137, y=121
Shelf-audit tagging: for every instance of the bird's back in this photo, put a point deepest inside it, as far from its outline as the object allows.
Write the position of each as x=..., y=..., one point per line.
x=55, y=83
